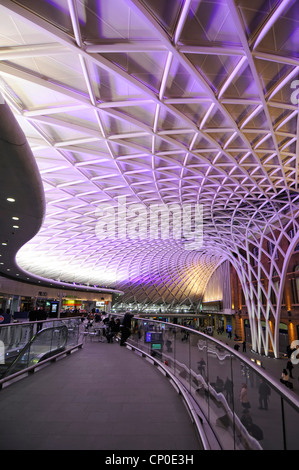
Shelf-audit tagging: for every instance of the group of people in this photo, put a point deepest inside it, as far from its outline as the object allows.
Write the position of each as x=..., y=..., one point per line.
x=112, y=326
x=264, y=395
x=287, y=372
x=237, y=346
x=246, y=419
x=37, y=314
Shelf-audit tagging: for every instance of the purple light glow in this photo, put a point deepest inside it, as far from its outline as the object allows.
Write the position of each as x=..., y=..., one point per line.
x=118, y=108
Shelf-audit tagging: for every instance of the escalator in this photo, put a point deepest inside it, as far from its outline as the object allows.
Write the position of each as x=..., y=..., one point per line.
x=44, y=344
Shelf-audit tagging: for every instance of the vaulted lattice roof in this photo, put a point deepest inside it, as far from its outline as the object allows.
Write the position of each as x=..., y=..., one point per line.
x=169, y=102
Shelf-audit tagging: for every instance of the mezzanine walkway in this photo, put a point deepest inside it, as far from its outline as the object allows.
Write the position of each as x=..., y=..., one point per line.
x=102, y=397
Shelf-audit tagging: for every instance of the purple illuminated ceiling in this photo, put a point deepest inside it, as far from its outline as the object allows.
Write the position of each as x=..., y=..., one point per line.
x=169, y=102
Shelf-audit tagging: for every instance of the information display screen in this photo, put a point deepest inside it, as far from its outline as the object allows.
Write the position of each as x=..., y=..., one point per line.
x=152, y=337
x=156, y=346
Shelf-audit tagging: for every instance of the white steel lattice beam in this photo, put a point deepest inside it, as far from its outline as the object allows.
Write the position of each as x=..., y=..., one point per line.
x=159, y=109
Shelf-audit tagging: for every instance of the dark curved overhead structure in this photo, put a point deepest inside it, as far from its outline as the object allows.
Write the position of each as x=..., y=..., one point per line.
x=22, y=200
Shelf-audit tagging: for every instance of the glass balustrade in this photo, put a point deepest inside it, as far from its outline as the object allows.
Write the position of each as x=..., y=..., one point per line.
x=244, y=407
x=27, y=344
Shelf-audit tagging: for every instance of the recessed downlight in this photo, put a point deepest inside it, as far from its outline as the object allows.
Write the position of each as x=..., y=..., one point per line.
x=15, y=218
x=15, y=226
x=10, y=199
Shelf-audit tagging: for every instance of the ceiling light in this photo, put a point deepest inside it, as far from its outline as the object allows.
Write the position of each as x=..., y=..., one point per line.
x=11, y=199
x=15, y=218
x=16, y=226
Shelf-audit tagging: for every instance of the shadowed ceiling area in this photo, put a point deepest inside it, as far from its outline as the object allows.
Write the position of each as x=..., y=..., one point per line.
x=131, y=105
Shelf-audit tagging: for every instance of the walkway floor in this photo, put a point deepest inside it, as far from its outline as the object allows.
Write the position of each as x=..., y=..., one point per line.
x=102, y=397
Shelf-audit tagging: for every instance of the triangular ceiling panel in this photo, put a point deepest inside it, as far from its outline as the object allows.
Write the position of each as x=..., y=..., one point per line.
x=151, y=103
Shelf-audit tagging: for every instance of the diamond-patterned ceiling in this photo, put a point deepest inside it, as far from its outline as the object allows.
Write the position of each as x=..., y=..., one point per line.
x=160, y=102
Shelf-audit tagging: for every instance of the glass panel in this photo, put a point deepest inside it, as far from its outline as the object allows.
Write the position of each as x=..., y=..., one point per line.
x=149, y=339
x=14, y=338
x=34, y=341
x=291, y=426
x=182, y=356
x=199, y=373
x=257, y=409
x=49, y=11
x=73, y=327
x=169, y=339
x=221, y=402
x=243, y=407
x=46, y=342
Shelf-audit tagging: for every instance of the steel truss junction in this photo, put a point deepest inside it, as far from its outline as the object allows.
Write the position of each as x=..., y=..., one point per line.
x=179, y=102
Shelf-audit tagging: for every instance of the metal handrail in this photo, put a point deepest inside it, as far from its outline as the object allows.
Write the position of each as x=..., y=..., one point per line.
x=182, y=391
x=50, y=353
x=32, y=368
x=29, y=344
x=240, y=433
x=291, y=398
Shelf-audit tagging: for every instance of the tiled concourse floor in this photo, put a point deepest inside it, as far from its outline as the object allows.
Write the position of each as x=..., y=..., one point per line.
x=102, y=397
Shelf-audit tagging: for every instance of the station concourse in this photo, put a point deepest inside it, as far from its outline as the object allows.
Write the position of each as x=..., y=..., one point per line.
x=149, y=163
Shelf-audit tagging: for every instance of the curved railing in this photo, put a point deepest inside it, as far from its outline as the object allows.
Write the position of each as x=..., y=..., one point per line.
x=213, y=374
x=24, y=345
x=44, y=344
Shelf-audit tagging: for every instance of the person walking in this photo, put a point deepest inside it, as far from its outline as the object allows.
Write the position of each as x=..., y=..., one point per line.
x=244, y=397
x=201, y=366
x=264, y=394
x=33, y=315
x=289, y=368
x=125, y=328
x=228, y=388
x=285, y=377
